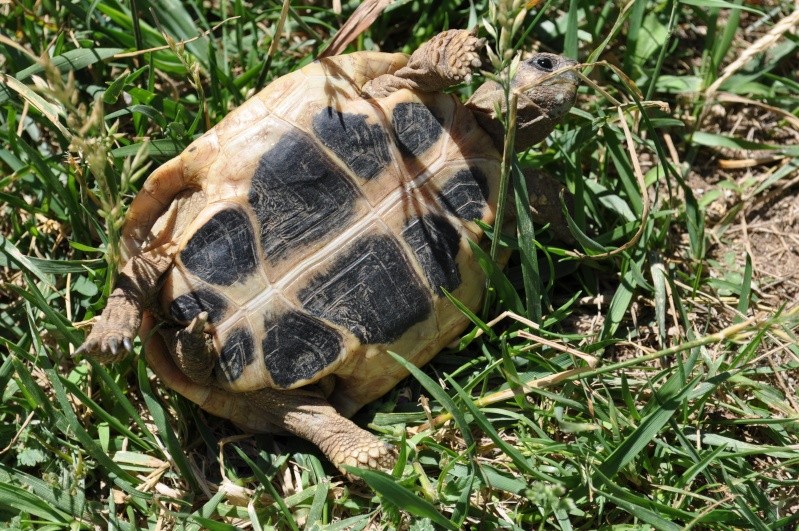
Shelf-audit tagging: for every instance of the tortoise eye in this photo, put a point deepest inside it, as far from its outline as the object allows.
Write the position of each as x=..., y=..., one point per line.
x=545, y=63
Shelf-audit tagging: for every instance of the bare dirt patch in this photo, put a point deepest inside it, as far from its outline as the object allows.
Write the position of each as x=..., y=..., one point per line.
x=771, y=234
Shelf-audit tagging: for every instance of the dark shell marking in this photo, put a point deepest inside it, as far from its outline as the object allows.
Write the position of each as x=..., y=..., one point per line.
x=223, y=251
x=435, y=242
x=466, y=194
x=297, y=347
x=363, y=147
x=371, y=290
x=417, y=128
x=186, y=307
x=299, y=196
x=237, y=352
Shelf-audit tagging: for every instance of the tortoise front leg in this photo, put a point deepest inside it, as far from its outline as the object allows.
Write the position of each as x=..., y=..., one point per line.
x=444, y=61
x=112, y=335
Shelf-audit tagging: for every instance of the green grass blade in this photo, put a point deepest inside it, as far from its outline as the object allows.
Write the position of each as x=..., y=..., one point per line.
x=619, y=304
x=173, y=16
x=60, y=501
x=440, y=395
x=318, y=505
x=69, y=424
x=266, y=483
x=106, y=416
x=527, y=245
x=19, y=499
x=403, y=498
x=641, y=513
x=161, y=420
x=479, y=323
x=744, y=298
x=213, y=525
x=71, y=61
x=722, y=4
x=485, y=425
x=354, y=523
x=649, y=428
x=506, y=293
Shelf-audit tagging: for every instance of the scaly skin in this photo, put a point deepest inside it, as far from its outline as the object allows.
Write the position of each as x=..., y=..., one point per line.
x=446, y=60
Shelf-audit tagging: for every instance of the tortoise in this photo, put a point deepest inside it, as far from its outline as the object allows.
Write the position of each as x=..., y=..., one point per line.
x=274, y=263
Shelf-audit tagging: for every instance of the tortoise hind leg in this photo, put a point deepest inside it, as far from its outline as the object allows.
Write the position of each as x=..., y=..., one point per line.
x=192, y=350
x=444, y=61
x=302, y=412
x=112, y=335
x=305, y=413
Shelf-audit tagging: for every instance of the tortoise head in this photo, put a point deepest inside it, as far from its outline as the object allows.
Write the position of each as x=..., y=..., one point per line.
x=546, y=89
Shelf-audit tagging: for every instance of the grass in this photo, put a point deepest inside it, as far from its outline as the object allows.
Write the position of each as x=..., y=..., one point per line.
x=683, y=289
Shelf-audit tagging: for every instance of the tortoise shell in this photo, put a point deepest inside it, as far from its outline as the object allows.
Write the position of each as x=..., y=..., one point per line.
x=319, y=229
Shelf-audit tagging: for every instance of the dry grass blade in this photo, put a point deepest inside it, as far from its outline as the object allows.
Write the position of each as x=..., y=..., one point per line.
x=737, y=333
x=360, y=20
x=13, y=44
x=281, y=22
x=181, y=42
x=784, y=114
x=523, y=388
x=591, y=360
x=49, y=110
x=765, y=42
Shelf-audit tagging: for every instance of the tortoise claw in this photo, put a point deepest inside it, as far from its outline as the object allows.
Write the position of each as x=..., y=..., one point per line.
x=104, y=346
x=197, y=325
x=113, y=345
x=80, y=351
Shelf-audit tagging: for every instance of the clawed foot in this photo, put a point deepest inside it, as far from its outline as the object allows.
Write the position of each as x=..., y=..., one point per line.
x=195, y=328
x=446, y=60
x=106, y=343
x=355, y=447
x=460, y=56
x=111, y=338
